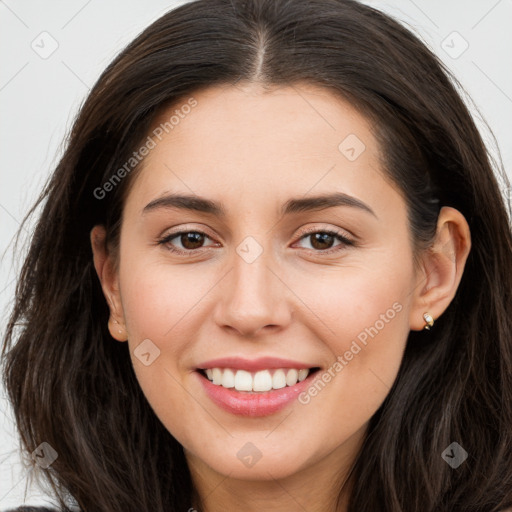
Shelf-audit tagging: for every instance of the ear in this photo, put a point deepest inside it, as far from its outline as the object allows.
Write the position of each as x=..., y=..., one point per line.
x=108, y=276
x=441, y=268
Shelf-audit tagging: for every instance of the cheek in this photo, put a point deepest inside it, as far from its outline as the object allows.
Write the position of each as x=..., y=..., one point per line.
x=162, y=304
x=158, y=304
x=158, y=300
x=363, y=319
x=356, y=301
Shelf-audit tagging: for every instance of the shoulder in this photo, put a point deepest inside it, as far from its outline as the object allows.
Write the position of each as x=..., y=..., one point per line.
x=31, y=509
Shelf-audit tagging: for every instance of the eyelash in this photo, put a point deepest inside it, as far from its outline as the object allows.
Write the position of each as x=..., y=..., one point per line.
x=192, y=252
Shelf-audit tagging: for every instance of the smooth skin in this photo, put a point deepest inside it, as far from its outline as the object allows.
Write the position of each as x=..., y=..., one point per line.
x=252, y=149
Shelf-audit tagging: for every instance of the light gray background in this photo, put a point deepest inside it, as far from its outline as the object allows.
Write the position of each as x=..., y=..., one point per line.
x=40, y=95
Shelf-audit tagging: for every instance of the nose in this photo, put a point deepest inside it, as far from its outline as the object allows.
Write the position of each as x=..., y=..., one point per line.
x=253, y=298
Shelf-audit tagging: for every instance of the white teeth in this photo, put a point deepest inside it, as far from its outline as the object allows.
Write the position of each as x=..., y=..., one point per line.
x=243, y=381
x=217, y=376
x=278, y=379
x=228, y=379
x=302, y=374
x=292, y=377
x=263, y=380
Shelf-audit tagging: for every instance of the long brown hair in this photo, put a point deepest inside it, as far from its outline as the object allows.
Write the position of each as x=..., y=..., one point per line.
x=73, y=387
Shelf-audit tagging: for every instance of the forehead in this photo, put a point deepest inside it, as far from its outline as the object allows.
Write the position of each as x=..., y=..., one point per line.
x=247, y=141
x=250, y=116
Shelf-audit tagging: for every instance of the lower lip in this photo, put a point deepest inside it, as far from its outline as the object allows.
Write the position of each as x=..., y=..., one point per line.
x=254, y=404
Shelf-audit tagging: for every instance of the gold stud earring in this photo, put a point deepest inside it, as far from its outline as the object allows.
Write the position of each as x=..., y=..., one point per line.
x=119, y=330
x=429, y=321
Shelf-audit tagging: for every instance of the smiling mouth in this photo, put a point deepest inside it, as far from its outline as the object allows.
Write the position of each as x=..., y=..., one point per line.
x=256, y=382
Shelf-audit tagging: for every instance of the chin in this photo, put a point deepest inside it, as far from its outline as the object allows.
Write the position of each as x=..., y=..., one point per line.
x=243, y=460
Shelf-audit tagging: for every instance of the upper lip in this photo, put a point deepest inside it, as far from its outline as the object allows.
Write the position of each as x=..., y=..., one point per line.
x=262, y=363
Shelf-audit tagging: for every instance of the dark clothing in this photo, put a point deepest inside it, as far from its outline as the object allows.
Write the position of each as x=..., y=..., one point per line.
x=32, y=509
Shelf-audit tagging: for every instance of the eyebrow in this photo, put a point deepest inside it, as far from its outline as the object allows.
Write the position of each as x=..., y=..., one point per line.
x=296, y=205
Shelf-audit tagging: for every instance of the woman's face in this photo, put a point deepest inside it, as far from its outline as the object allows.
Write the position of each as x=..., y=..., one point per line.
x=259, y=289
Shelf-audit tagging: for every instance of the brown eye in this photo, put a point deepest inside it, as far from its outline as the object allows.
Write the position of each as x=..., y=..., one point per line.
x=322, y=241
x=192, y=240
x=188, y=240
